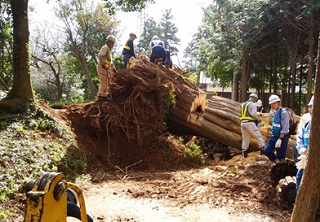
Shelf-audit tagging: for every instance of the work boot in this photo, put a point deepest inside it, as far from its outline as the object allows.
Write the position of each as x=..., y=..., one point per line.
x=244, y=154
x=276, y=161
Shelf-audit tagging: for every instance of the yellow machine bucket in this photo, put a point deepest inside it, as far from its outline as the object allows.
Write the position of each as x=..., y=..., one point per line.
x=47, y=201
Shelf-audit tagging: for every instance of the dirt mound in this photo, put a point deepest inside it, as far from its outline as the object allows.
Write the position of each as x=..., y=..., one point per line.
x=132, y=127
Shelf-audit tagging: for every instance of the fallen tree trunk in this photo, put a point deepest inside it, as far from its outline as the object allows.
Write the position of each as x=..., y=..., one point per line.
x=149, y=101
x=220, y=121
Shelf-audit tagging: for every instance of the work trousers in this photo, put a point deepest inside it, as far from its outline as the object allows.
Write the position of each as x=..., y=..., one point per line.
x=126, y=58
x=271, y=146
x=158, y=52
x=104, y=82
x=249, y=129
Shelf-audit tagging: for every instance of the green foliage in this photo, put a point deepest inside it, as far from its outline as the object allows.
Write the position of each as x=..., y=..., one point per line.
x=168, y=100
x=150, y=28
x=233, y=170
x=87, y=26
x=6, y=46
x=194, y=152
x=32, y=145
x=126, y=5
x=165, y=30
x=272, y=37
x=169, y=31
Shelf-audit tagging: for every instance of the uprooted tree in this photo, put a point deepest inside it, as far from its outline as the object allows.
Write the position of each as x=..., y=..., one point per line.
x=151, y=102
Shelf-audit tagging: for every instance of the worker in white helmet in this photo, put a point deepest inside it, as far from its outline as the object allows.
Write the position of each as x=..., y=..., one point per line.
x=105, y=68
x=260, y=108
x=157, y=50
x=128, y=49
x=248, y=124
x=280, y=131
x=302, y=148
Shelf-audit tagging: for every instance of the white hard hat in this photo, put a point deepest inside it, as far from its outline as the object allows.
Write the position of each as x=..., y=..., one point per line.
x=311, y=101
x=273, y=99
x=111, y=38
x=259, y=103
x=155, y=37
x=133, y=33
x=254, y=95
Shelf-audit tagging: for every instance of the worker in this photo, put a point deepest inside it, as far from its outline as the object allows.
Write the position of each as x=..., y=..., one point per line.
x=168, y=59
x=156, y=50
x=128, y=49
x=260, y=109
x=248, y=124
x=105, y=69
x=302, y=148
x=304, y=118
x=280, y=131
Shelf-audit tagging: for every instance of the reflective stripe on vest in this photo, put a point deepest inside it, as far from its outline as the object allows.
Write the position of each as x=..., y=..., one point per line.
x=126, y=47
x=276, y=124
x=306, y=134
x=244, y=111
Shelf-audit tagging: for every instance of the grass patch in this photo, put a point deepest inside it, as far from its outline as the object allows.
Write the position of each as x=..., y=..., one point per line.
x=30, y=145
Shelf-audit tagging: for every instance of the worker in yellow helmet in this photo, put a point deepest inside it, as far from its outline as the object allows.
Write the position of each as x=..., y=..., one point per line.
x=105, y=69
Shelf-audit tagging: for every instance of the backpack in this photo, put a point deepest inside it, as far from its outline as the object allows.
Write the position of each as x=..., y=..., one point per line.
x=292, y=123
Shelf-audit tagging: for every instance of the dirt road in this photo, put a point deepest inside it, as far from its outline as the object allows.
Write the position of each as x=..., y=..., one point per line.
x=235, y=190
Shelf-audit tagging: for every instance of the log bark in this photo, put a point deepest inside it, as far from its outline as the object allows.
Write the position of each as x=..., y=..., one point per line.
x=219, y=121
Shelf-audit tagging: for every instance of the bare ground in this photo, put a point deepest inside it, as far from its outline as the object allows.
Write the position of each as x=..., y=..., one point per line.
x=233, y=190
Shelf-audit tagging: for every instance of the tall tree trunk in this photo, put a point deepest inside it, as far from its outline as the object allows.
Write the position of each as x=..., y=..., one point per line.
x=92, y=87
x=244, y=75
x=234, y=94
x=275, y=82
x=82, y=60
x=21, y=87
x=294, y=72
x=307, y=199
x=310, y=58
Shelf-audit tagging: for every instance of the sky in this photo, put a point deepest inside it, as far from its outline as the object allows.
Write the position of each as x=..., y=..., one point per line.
x=187, y=16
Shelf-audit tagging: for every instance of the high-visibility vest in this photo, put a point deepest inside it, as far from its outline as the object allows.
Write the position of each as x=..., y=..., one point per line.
x=126, y=46
x=245, y=115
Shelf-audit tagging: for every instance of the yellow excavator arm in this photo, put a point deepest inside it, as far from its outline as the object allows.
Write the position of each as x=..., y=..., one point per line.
x=47, y=200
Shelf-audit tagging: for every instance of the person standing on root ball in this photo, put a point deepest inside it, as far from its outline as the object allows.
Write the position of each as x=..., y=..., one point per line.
x=248, y=124
x=157, y=51
x=280, y=131
x=105, y=69
x=128, y=49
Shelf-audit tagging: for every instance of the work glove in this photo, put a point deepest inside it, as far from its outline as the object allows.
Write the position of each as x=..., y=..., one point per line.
x=278, y=143
x=106, y=66
x=302, y=163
